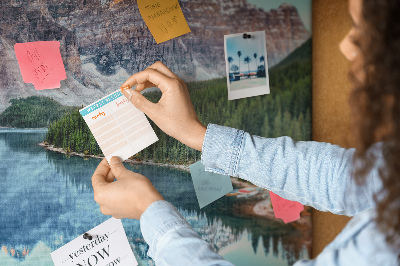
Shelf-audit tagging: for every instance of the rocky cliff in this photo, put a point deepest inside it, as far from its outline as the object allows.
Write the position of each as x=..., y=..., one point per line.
x=102, y=44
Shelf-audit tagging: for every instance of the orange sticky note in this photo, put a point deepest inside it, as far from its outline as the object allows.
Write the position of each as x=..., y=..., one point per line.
x=41, y=64
x=284, y=209
x=164, y=18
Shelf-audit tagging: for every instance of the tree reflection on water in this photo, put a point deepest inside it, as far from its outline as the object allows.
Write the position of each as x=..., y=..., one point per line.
x=176, y=186
x=48, y=199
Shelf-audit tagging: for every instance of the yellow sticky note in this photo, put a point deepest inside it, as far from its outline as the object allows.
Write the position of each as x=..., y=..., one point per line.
x=164, y=18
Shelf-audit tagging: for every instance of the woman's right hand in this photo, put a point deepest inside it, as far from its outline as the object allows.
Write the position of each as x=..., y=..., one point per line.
x=174, y=113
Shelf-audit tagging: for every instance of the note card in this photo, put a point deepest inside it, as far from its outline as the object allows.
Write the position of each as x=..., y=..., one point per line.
x=287, y=210
x=108, y=246
x=209, y=186
x=118, y=126
x=164, y=18
x=41, y=64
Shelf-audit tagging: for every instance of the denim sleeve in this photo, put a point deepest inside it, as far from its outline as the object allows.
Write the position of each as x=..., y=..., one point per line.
x=172, y=241
x=312, y=173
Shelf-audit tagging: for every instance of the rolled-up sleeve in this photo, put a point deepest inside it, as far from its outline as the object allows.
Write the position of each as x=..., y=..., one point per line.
x=313, y=173
x=172, y=241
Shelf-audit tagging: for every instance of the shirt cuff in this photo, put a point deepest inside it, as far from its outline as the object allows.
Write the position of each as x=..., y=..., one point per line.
x=221, y=150
x=158, y=219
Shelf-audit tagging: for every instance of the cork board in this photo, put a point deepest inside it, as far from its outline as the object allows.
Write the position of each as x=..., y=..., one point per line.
x=331, y=89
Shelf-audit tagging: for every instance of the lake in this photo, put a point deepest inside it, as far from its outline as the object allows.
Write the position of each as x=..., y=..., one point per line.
x=46, y=200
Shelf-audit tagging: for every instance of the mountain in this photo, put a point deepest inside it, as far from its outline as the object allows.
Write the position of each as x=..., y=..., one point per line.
x=302, y=53
x=102, y=45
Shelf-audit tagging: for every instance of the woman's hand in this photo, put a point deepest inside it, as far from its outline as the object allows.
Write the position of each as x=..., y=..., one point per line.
x=174, y=113
x=127, y=197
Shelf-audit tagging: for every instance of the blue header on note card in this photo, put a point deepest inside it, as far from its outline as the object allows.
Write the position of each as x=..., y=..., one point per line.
x=100, y=103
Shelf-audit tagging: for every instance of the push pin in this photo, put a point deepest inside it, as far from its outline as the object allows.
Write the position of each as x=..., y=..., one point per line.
x=246, y=36
x=87, y=236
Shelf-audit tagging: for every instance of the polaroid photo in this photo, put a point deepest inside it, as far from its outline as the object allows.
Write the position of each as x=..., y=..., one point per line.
x=246, y=64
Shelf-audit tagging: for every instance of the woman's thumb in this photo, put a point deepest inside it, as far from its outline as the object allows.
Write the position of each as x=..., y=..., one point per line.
x=138, y=100
x=117, y=167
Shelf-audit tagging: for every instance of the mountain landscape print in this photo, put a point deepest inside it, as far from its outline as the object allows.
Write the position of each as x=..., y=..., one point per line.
x=48, y=154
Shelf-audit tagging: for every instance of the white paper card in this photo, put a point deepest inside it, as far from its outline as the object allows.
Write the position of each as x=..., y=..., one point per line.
x=118, y=126
x=209, y=186
x=109, y=247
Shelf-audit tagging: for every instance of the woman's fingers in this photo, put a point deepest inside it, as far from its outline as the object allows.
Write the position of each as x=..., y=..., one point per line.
x=100, y=174
x=110, y=177
x=142, y=86
x=140, y=102
x=159, y=80
x=117, y=167
x=160, y=67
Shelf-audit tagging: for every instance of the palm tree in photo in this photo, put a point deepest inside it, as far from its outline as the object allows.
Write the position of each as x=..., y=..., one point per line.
x=239, y=55
x=261, y=72
x=247, y=60
x=255, y=60
x=230, y=60
x=262, y=59
x=234, y=68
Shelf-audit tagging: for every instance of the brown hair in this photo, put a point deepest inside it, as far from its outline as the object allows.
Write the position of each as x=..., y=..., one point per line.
x=375, y=103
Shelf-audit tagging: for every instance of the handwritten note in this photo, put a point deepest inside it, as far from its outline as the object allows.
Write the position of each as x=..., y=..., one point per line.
x=118, y=126
x=41, y=64
x=164, y=18
x=287, y=210
x=209, y=186
x=108, y=246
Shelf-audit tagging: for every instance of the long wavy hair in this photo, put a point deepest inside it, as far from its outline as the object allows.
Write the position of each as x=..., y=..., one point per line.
x=375, y=103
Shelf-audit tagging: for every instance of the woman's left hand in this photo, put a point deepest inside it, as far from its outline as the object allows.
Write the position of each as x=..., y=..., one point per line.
x=128, y=196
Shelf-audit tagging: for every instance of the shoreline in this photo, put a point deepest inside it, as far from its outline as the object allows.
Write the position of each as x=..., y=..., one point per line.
x=61, y=150
x=257, y=206
x=17, y=128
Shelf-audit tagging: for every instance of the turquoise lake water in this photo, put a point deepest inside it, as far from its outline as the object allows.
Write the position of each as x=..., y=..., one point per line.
x=46, y=200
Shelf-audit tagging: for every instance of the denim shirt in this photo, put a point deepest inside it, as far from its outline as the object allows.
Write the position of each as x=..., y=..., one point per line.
x=312, y=173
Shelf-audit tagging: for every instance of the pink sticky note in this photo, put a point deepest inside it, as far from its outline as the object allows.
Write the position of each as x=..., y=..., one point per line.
x=41, y=64
x=287, y=210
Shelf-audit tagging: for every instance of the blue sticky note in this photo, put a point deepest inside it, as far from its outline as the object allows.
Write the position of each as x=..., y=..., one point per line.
x=209, y=186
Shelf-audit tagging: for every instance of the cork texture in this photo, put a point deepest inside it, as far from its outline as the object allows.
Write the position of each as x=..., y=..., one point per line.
x=331, y=88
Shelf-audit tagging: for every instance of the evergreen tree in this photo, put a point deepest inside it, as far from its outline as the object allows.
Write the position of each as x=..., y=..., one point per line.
x=277, y=130
x=286, y=111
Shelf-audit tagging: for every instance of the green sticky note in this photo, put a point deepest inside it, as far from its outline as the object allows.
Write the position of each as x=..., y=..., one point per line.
x=209, y=186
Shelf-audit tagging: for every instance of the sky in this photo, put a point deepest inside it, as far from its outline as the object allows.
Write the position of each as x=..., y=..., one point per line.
x=303, y=7
x=248, y=47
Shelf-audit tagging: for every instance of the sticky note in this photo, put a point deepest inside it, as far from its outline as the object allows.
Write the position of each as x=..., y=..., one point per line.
x=118, y=126
x=41, y=64
x=108, y=246
x=164, y=18
x=209, y=186
x=284, y=209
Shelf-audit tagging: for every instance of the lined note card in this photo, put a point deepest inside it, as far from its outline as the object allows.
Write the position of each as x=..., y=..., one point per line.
x=41, y=64
x=164, y=19
x=118, y=126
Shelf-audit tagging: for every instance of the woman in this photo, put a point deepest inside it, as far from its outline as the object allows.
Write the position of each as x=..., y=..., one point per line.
x=316, y=174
